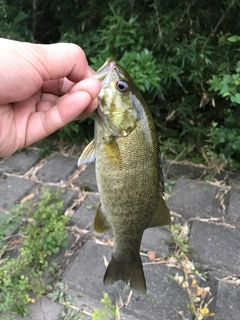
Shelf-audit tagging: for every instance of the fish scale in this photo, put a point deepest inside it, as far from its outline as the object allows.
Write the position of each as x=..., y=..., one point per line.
x=128, y=172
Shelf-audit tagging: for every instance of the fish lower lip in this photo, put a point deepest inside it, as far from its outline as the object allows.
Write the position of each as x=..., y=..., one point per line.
x=105, y=84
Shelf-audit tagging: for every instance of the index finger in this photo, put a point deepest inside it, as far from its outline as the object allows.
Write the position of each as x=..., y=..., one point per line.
x=63, y=60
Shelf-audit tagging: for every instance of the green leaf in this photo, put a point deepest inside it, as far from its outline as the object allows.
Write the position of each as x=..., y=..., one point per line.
x=235, y=98
x=233, y=38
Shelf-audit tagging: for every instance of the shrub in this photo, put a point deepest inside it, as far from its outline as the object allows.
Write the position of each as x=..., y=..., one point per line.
x=184, y=57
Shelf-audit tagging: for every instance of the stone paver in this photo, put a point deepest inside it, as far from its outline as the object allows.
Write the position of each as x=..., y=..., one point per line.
x=88, y=304
x=216, y=245
x=192, y=199
x=156, y=239
x=227, y=302
x=164, y=298
x=84, y=215
x=20, y=162
x=57, y=169
x=234, y=207
x=85, y=274
x=87, y=179
x=173, y=170
x=44, y=309
x=13, y=189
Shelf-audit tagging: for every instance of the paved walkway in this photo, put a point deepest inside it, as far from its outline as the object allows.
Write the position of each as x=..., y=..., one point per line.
x=213, y=212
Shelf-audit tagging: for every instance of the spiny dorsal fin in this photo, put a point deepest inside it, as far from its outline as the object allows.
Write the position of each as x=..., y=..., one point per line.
x=101, y=223
x=161, y=216
x=88, y=154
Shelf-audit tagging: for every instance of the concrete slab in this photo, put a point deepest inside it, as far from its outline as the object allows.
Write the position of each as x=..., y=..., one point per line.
x=216, y=245
x=234, y=207
x=157, y=240
x=164, y=296
x=58, y=168
x=228, y=301
x=192, y=199
x=13, y=189
x=87, y=179
x=20, y=162
x=43, y=309
x=85, y=214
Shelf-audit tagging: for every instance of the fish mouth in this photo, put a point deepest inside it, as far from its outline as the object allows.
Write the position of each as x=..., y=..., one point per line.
x=105, y=69
x=104, y=73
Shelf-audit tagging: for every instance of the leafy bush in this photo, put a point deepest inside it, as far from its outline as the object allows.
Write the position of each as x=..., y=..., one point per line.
x=184, y=57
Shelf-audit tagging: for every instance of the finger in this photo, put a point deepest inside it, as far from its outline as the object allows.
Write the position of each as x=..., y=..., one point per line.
x=58, y=87
x=46, y=104
x=92, y=86
x=26, y=66
x=89, y=110
x=48, y=97
x=42, y=124
x=63, y=86
x=89, y=85
x=61, y=60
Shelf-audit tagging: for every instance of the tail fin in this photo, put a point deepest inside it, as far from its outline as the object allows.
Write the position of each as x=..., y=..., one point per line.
x=129, y=272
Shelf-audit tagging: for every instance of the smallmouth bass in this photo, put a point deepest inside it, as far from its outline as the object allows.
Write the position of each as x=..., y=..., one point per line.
x=128, y=172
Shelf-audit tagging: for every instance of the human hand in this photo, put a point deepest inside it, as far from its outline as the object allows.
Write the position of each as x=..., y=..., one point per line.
x=42, y=88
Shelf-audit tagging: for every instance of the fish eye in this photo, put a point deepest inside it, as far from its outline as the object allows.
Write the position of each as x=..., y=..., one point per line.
x=122, y=86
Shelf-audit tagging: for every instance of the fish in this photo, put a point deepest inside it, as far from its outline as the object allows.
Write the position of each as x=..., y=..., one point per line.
x=128, y=172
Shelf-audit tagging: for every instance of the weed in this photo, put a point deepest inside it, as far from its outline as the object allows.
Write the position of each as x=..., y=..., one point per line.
x=168, y=186
x=188, y=280
x=41, y=235
x=45, y=148
x=108, y=310
x=72, y=312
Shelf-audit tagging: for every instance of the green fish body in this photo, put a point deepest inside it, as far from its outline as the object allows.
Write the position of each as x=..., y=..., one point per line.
x=128, y=171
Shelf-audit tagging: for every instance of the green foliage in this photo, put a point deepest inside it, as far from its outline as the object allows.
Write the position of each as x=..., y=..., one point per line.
x=9, y=222
x=183, y=56
x=73, y=312
x=180, y=239
x=107, y=312
x=227, y=85
x=45, y=148
x=41, y=235
x=77, y=131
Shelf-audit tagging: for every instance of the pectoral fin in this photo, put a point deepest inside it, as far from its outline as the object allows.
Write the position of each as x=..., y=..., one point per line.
x=101, y=223
x=88, y=154
x=161, y=216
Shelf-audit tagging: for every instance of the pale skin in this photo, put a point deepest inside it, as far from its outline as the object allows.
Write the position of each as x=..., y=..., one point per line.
x=42, y=88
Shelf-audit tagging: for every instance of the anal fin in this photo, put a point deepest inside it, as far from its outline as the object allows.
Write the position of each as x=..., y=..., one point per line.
x=101, y=223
